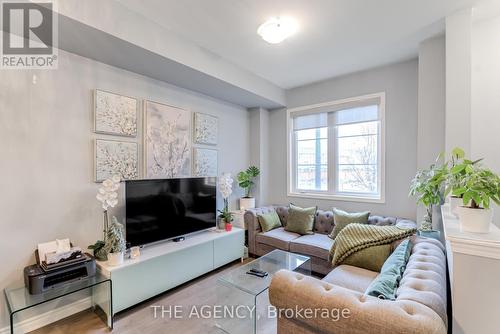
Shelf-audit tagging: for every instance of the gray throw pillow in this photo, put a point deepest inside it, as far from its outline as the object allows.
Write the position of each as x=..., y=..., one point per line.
x=300, y=220
x=341, y=219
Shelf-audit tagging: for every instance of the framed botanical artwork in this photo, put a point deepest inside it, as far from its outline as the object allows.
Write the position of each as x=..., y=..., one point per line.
x=113, y=157
x=205, y=162
x=115, y=114
x=206, y=129
x=167, y=141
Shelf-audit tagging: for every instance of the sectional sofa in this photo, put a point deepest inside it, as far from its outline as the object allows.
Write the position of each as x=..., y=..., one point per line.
x=421, y=299
x=317, y=246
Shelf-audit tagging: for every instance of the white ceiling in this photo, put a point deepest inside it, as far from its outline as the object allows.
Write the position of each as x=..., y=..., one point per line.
x=335, y=36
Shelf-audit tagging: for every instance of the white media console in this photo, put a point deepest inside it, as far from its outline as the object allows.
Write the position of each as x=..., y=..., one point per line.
x=166, y=265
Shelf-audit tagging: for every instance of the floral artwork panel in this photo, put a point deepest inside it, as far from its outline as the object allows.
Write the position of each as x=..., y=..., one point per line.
x=115, y=114
x=205, y=162
x=167, y=141
x=115, y=158
x=206, y=129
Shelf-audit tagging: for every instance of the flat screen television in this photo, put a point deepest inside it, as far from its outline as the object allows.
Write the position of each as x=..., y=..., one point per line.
x=165, y=209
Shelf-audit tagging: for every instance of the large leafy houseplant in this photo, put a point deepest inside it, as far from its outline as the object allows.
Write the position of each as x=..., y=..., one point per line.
x=428, y=185
x=478, y=187
x=246, y=179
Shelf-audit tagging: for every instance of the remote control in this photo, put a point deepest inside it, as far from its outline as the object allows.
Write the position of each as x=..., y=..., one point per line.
x=258, y=271
x=256, y=274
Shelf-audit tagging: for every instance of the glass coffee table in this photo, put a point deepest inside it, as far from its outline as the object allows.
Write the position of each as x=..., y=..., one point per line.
x=244, y=299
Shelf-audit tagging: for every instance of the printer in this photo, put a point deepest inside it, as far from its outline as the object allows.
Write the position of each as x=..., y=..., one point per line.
x=55, y=268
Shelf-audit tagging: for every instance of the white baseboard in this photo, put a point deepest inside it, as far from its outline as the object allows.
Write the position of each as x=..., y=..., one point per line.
x=49, y=317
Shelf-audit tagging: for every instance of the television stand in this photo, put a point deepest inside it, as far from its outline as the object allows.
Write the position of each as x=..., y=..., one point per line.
x=163, y=266
x=178, y=239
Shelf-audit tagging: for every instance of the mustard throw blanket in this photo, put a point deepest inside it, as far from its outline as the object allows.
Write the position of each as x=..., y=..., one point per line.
x=355, y=237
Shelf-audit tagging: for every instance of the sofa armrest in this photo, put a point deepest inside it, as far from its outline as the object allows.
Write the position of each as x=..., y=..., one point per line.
x=253, y=225
x=348, y=311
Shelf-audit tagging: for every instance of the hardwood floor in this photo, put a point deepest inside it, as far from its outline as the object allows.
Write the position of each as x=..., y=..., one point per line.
x=140, y=319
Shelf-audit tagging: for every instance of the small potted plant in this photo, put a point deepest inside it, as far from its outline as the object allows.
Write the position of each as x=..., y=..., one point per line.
x=226, y=189
x=478, y=187
x=115, y=243
x=246, y=181
x=428, y=185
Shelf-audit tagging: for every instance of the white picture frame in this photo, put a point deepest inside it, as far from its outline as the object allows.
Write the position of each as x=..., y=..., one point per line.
x=205, y=162
x=206, y=129
x=115, y=157
x=167, y=141
x=115, y=114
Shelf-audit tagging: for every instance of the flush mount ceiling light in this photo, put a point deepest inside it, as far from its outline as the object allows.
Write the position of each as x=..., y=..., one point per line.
x=277, y=29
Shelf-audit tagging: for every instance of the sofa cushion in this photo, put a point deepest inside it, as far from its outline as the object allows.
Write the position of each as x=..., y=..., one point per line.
x=269, y=221
x=317, y=245
x=342, y=219
x=278, y=238
x=350, y=277
x=385, y=285
x=300, y=220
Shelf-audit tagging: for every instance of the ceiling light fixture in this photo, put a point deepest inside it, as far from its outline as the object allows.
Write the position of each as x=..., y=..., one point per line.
x=277, y=29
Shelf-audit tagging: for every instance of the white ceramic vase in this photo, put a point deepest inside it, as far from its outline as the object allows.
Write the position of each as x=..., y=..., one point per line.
x=474, y=220
x=115, y=259
x=455, y=202
x=247, y=203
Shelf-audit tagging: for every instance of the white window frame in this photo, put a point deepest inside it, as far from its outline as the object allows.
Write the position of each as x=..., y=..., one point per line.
x=331, y=195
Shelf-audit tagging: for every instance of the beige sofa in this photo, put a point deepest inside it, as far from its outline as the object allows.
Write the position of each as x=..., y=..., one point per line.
x=420, y=306
x=316, y=246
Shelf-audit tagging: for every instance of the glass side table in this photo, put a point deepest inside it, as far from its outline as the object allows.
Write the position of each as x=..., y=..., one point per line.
x=245, y=298
x=100, y=288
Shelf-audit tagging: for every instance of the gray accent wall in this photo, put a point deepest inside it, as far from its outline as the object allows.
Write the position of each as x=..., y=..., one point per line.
x=46, y=143
x=400, y=83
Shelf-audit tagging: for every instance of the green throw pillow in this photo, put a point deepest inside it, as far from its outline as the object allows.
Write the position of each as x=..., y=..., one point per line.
x=269, y=221
x=341, y=219
x=387, y=282
x=371, y=258
x=300, y=220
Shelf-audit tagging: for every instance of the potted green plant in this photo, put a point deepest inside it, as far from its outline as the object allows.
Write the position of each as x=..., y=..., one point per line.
x=246, y=181
x=457, y=154
x=428, y=185
x=478, y=188
x=115, y=243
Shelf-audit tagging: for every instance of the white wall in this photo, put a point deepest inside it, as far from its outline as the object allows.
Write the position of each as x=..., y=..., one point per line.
x=399, y=81
x=431, y=104
x=458, y=80
x=485, y=95
x=47, y=188
x=472, y=81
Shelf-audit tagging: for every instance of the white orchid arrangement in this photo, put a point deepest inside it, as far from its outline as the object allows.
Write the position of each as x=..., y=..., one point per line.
x=108, y=193
x=108, y=196
x=226, y=189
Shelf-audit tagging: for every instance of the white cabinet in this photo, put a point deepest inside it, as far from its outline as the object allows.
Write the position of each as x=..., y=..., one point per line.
x=474, y=268
x=166, y=265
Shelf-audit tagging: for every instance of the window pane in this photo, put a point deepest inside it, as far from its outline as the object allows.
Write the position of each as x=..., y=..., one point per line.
x=357, y=179
x=312, y=159
x=357, y=129
x=357, y=150
x=312, y=178
x=311, y=133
